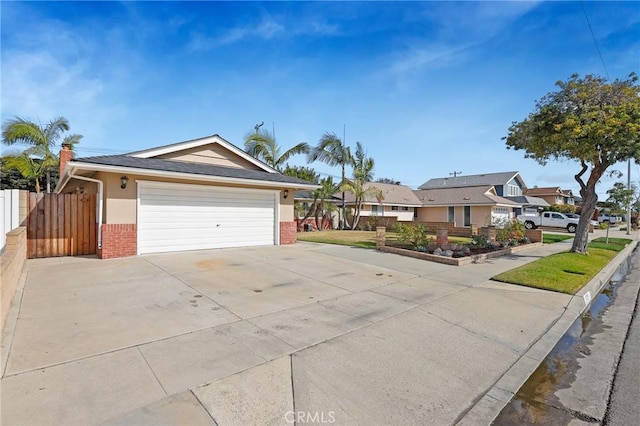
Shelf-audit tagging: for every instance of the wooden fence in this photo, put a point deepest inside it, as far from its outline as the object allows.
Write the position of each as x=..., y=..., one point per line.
x=61, y=225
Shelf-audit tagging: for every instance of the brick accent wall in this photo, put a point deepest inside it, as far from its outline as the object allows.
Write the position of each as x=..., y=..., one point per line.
x=118, y=240
x=288, y=232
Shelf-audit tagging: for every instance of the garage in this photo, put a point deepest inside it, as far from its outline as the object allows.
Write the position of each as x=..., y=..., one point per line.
x=179, y=217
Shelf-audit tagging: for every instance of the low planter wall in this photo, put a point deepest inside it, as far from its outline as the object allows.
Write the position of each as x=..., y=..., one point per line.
x=454, y=231
x=11, y=263
x=459, y=261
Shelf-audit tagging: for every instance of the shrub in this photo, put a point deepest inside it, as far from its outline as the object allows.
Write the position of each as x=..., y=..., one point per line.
x=512, y=230
x=479, y=241
x=415, y=236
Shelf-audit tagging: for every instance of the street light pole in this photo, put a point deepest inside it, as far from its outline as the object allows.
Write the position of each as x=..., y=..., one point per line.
x=629, y=199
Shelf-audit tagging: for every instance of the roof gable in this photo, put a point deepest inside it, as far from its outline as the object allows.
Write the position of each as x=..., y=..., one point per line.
x=500, y=178
x=549, y=190
x=207, y=150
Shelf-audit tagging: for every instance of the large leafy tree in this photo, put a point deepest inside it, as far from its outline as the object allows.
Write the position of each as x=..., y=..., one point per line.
x=21, y=172
x=359, y=184
x=334, y=152
x=262, y=145
x=588, y=120
x=42, y=141
x=301, y=172
x=620, y=197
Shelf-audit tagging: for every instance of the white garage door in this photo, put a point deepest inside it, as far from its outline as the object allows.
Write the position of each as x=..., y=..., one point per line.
x=175, y=217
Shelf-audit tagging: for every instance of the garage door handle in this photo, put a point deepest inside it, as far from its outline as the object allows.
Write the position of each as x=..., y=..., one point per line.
x=218, y=225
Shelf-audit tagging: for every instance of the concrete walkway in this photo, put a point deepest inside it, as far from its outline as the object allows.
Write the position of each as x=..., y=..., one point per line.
x=305, y=333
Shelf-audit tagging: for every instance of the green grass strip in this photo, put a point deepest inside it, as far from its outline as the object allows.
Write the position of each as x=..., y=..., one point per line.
x=563, y=272
x=555, y=238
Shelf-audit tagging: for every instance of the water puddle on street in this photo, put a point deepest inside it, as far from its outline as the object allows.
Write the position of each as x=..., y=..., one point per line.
x=536, y=403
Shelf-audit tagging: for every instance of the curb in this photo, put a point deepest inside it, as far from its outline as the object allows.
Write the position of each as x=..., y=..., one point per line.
x=487, y=407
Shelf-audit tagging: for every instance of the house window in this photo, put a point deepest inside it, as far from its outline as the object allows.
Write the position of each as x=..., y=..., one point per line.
x=405, y=208
x=467, y=215
x=394, y=208
x=415, y=212
x=375, y=210
x=451, y=214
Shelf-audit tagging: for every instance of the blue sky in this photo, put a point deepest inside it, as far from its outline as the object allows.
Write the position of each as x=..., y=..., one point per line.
x=428, y=87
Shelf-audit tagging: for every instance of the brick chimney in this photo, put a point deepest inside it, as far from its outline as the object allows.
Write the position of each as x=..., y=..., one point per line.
x=65, y=155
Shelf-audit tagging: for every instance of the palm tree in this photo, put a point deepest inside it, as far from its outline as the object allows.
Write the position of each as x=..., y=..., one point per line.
x=320, y=195
x=334, y=152
x=28, y=167
x=42, y=139
x=362, y=175
x=263, y=146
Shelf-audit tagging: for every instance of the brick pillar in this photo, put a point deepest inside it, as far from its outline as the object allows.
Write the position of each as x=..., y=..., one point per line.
x=380, y=236
x=65, y=155
x=489, y=232
x=118, y=240
x=288, y=233
x=442, y=237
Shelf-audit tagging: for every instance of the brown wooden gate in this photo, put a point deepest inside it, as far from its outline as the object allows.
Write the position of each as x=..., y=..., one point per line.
x=61, y=225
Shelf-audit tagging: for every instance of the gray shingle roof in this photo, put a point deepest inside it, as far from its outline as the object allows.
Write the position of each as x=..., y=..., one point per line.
x=397, y=195
x=187, y=167
x=528, y=200
x=493, y=179
x=467, y=196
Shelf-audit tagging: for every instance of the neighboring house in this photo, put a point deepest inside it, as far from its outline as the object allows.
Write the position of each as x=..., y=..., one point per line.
x=506, y=184
x=552, y=195
x=397, y=201
x=199, y=194
x=303, y=201
x=465, y=206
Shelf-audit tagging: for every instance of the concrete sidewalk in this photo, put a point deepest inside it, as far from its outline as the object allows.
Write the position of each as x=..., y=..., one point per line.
x=309, y=333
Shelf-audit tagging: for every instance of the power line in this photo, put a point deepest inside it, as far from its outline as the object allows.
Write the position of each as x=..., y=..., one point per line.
x=595, y=41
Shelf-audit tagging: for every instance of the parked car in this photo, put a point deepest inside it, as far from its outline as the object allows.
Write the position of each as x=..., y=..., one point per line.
x=577, y=216
x=552, y=219
x=610, y=220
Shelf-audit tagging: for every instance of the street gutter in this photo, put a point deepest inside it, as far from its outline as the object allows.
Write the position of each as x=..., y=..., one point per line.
x=488, y=406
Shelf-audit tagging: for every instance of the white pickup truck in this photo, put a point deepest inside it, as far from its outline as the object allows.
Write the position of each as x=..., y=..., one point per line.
x=552, y=219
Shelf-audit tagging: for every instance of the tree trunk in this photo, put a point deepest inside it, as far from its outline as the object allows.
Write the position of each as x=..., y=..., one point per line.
x=589, y=200
x=344, y=216
x=318, y=212
x=356, y=214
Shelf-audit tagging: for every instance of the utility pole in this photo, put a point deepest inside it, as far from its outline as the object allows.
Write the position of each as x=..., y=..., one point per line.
x=630, y=196
x=455, y=174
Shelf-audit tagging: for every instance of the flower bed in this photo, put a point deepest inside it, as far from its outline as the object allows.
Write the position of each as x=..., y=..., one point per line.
x=473, y=257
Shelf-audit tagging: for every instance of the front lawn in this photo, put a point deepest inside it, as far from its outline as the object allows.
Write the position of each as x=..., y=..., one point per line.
x=565, y=272
x=554, y=238
x=362, y=239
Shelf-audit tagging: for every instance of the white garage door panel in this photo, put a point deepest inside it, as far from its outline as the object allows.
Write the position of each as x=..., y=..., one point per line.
x=188, y=217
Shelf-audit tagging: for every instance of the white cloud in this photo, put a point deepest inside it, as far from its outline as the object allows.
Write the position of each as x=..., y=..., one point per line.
x=455, y=30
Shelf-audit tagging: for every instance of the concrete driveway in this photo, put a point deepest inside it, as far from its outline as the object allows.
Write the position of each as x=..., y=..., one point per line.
x=311, y=333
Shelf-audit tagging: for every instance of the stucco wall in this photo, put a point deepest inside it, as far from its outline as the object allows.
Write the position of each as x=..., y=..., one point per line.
x=402, y=216
x=286, y=207
x=120, y=204
x=481, y=215
x=432, y=214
